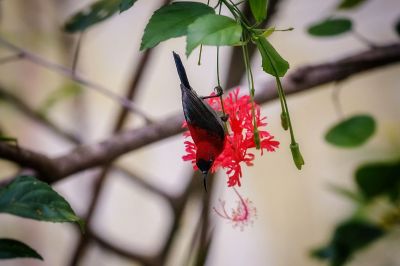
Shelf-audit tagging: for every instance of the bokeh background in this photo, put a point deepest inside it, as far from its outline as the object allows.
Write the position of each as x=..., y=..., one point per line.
x=296, y=209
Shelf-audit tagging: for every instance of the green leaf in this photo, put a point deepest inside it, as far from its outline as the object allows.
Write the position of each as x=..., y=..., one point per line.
x=397, y=27
x=330, y=27
x=125, y=5
x=349, y=4
x=351, y=132
x=272, y=62
x=348, y=238
x=66, y=91
x=376, y=179
x=172, y=21
x=259, y=9
x=30, y=198
x=214, y=30
x=11, y=249
x=268, y=32
x=91, y=15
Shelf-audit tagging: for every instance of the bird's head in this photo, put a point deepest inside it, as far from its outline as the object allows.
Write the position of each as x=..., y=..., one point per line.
x=204, y=165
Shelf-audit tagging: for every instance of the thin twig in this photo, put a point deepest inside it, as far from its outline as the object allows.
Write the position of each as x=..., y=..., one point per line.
x=18, y=103
x=179, y=209
x=142, y=183
x=205, y=235
x=77, y=53
x=121, y=251
x=67, y=72
x=364, y=40
x=337, y=89
x=11, y=58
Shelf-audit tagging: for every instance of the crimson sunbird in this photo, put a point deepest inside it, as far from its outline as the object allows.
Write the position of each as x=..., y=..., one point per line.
x=205, y=126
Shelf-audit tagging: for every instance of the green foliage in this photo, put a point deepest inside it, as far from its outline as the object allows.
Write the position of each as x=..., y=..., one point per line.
x=172, y=21
x=272, y=62
x=377, y=179
x=30, y=198
x=259, y=9
x=349, y=237
x=268, y=32
x=349, y=4
x=351, y=132
x=11, y=249
x=67, y=90
x=126, y=4
x=95, y=13
x=330, y=27
x=213, y=30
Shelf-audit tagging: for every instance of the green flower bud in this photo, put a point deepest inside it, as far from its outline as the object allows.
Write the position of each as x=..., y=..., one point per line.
x=284, y=121
x=297, y=157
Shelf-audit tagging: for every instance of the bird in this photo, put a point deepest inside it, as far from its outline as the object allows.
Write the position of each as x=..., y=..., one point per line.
x=205, y=125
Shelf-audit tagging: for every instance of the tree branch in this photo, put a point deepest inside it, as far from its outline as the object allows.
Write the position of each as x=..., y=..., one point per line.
x=97, y=154
x=146, y=260
x=37, y=117
x=70, y=73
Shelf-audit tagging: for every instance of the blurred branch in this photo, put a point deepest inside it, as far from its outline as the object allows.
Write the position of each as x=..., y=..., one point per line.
x=98, y=187
x=305, y=78
x=142, y=183
x=47, y=123
x=11, y=58
x=121, y=118
x=36, y=116
x=205, y=233
x=121, y=251
x=70, y=73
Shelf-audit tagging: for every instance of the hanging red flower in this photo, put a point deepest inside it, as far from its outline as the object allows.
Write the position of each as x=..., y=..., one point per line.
x=241, y=138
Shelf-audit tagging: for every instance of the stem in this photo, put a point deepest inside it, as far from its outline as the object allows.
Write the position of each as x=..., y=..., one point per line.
x=219, y=82
x=201, y=46
x=218, y=79
x=240, y=2
x=232, y=9
x=364, y=40
x=282, y=92
x=250, y=82
x=201, y=50
x=76, y=54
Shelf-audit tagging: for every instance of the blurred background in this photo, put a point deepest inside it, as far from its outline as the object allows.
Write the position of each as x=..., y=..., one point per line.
x=296, y=210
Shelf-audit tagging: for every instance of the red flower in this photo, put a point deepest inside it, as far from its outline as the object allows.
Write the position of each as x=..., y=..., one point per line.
x=237, y=144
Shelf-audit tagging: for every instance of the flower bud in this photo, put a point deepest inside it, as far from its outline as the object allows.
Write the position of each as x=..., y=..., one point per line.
x=297, y=157
x=284, y=121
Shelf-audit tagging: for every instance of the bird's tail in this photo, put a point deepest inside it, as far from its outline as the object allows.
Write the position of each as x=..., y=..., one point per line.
x=181, y=70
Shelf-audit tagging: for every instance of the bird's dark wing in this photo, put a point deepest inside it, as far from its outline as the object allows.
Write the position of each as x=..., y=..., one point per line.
x=197, y=112
x=200, y=114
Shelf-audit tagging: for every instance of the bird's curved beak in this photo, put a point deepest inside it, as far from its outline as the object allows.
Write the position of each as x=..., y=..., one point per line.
x=205, y=175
